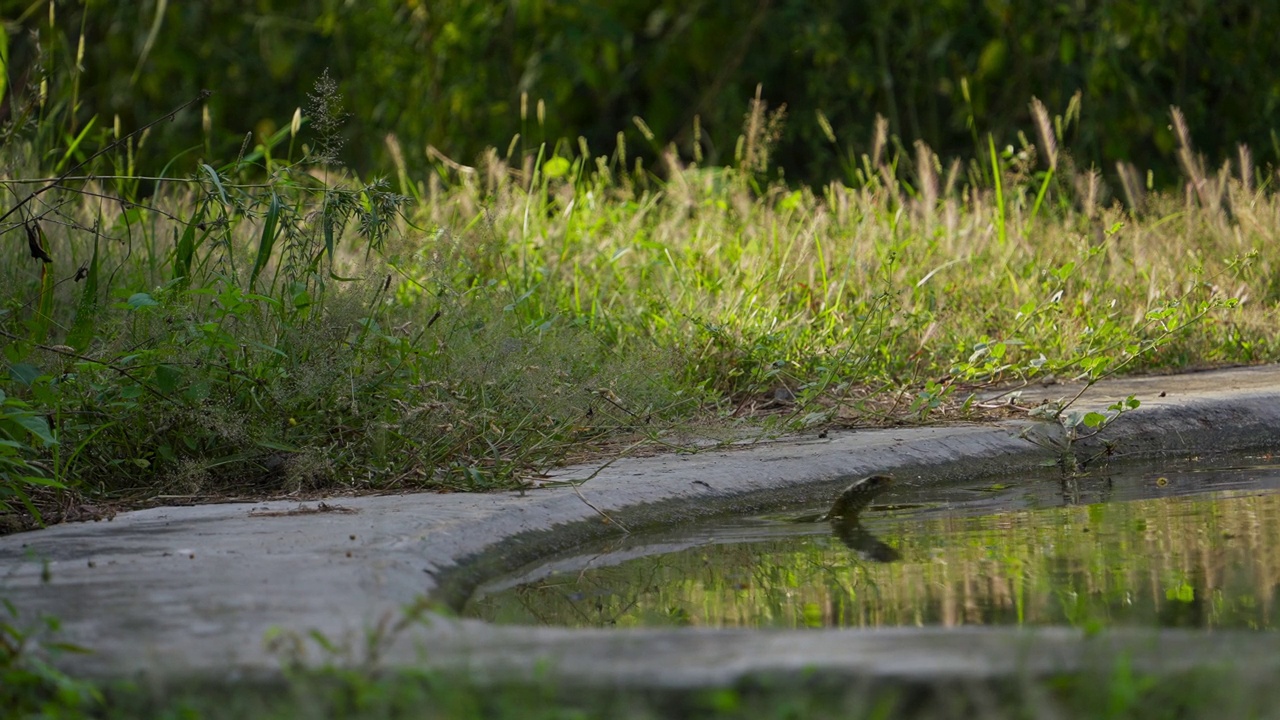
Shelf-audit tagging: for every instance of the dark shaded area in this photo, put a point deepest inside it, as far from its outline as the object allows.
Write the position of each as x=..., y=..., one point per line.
x=451, y=73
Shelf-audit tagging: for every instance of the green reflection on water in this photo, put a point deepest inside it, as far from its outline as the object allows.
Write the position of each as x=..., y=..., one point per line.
x=1190, y=561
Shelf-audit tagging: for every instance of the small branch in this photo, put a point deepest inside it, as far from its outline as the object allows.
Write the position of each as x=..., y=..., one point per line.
x=575, y=484
x=602, y=513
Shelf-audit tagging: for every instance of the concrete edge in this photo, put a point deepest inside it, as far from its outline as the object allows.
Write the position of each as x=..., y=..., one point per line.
x=1197, y=426
x=445, y=556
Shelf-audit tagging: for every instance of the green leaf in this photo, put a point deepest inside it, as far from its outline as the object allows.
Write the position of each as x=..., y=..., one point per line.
x=74, y=145
x=791, y=201
x=1094, y=419
x=217, y=183
x=555, y=167
x=140, y=300
x=266, y=243
x=197, y=392
x=168, y=377
x=1182, y=593
x=43, y=482
x=186, y=250
x=24, y=373
x=36, y=425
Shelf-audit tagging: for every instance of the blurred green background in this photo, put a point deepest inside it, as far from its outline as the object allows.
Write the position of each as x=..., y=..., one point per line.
x=451, y=73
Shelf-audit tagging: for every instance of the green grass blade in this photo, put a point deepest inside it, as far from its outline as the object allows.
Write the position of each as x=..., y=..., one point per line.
x=186, y=250
x=74, y=145
x=1035, y=209
x=217, y=183
x=995, y=182
x=266, y=243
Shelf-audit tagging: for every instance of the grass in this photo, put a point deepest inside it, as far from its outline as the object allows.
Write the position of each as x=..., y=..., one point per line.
x=275, y=326
x=1112, y=689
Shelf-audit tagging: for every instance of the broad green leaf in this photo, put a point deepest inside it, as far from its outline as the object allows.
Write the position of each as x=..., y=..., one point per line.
x=168, y=378
x=24, y=373
x=140, y=300
x=36, y=425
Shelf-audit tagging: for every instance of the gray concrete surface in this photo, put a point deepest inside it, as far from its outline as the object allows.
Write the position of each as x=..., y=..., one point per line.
x=197, y=590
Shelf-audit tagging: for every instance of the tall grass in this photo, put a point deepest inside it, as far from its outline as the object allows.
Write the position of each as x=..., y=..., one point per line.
x=276, y=324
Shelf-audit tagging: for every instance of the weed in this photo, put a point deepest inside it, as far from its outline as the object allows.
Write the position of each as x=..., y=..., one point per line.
x=30, y=684
x=276, y=325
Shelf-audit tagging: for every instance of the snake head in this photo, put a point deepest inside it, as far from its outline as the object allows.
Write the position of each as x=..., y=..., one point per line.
x=857, y=496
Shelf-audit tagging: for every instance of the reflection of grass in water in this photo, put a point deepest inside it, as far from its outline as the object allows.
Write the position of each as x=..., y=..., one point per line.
x=1182, y=561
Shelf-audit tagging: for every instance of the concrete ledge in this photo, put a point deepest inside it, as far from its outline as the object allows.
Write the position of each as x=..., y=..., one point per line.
x=173, y=591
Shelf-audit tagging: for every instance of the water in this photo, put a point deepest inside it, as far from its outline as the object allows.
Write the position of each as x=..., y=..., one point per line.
x=1185, y=546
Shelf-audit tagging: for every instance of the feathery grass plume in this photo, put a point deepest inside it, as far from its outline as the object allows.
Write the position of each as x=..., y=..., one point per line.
x=1072, y=114
x=1048, y=148
x=643, y=127
x=1206, y=189
x=324, y=107
x=675, y=170
x=879, y=139
x=827, y=131
x=1220, y=186
x=397, y=159
x=953, y=174
x=1131, y=183
x=890, y=181
x=1246, y=167
x=1044, y=130
x=761, y=130
x=927, y=171
x=1089, y=189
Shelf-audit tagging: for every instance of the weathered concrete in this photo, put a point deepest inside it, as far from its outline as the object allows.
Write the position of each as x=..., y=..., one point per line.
x=196, y=589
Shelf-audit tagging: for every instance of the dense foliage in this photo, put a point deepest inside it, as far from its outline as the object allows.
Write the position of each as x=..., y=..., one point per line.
x=451, y=74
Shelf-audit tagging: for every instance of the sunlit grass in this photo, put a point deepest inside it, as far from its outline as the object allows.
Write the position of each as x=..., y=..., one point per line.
x=273, y=325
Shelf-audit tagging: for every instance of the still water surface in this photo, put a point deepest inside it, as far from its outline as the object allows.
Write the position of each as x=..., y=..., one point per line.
x=1185, y=545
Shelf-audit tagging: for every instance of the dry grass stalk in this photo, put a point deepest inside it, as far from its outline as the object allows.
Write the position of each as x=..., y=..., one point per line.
x=1131, y=183
x=1044, y=131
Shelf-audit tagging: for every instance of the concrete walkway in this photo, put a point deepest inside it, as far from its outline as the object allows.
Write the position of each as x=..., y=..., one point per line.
x=182, y=590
